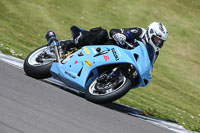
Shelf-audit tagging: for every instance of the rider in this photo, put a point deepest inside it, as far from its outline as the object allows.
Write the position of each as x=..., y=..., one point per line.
x=153, y=37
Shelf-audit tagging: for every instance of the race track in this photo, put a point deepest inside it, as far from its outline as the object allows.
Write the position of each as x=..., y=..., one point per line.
x=28, y=105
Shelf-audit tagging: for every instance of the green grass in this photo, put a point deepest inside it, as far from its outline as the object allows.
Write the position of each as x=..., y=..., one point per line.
x=173, y=94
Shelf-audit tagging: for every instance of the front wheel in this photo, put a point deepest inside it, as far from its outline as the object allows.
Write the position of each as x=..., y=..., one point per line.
x=38, y=63
x=102, y=90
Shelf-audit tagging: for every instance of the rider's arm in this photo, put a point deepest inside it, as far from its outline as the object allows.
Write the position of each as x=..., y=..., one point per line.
x=129, y=35
x=157, y=53
x=132, y=33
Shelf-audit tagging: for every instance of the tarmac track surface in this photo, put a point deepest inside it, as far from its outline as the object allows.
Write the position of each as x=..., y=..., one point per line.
x=28, y=105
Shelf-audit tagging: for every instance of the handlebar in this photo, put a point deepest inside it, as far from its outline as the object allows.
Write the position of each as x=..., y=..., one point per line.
x=128, y=44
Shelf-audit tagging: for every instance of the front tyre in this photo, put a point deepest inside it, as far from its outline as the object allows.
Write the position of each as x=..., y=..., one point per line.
x=108, y=91
x=38, y=63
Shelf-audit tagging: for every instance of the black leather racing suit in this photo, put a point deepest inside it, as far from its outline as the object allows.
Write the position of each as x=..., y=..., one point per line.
x=96, y=34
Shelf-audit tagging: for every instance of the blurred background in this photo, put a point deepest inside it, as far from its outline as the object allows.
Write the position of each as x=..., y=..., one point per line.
x=173, y=94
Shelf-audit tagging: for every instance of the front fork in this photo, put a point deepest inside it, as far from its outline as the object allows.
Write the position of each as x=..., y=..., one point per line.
x=112, y=73
x=128, y=69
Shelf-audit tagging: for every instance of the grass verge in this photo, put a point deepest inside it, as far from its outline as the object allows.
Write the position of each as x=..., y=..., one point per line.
x=174, y=91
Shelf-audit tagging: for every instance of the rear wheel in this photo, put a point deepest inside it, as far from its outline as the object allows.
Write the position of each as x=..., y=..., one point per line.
x=105, y=89
x=38, y=63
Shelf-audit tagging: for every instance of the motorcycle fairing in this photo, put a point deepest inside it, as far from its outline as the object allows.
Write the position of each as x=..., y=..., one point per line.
x=81, y=69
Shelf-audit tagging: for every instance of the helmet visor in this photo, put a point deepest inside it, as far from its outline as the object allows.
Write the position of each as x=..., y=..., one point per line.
x=157, y=41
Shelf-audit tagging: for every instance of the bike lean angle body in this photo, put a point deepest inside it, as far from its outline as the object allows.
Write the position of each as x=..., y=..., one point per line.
x=103, y=73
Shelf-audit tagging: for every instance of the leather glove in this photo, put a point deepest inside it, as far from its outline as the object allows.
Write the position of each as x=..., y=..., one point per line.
x=119, y=38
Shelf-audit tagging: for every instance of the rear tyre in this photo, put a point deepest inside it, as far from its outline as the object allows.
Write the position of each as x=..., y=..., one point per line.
x=37, y=69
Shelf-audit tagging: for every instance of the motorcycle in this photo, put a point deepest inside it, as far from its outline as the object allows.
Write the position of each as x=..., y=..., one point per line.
x=103, y=73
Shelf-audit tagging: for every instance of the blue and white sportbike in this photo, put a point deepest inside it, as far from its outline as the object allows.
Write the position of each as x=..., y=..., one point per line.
x=103, y=73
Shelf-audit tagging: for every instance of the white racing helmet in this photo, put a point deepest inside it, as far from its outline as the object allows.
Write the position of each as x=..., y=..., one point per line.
x=156, y=34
